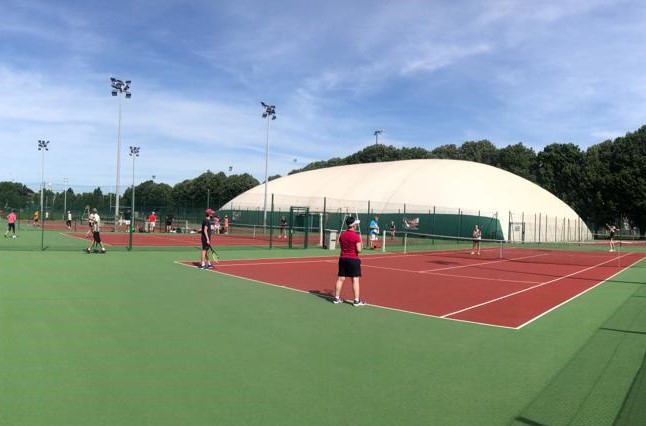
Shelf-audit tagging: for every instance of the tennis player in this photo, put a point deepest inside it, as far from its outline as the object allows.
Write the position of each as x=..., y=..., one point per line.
x=11, y=224
x=374, y=232
x=283, y=227
x=90, y=224
x=152, y=221
x=477, y=238
x=205, y=237
x=96, y=234
x=68, y=220
x=127, y=217
x=216, y=224
x=169, y=222
x=392, y=229
x=349, y=262
x=612, y=230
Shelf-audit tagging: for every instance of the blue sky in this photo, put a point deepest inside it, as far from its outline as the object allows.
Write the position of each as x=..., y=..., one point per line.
x=427, y=72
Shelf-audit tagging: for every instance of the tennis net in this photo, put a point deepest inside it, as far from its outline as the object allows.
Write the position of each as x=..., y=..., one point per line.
x=582, y=253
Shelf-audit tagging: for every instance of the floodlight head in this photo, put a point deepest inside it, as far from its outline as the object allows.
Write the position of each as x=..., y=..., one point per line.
x=264, y=115
x=119, y=86
x=263, y=104
x=273, y=117
x=128, y=95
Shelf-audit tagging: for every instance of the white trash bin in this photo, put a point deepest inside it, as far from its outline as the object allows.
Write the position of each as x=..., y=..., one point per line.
x=330, y=239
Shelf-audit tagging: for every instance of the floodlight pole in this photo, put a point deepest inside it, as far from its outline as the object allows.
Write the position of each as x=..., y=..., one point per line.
x=270, y=114
x=119, y=87
x=65, y=200
x=42, y=146
x=134, y=152
x=377, y=133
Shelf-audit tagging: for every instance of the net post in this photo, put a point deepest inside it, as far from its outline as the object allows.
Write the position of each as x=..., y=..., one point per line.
x=367, y=227
x=383, y=242
x=405, y=242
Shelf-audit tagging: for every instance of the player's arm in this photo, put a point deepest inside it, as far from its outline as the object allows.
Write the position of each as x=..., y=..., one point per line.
x=359, y=246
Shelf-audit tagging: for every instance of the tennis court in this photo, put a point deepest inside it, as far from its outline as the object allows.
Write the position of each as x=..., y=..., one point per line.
x=507, y=291
x=132, y=338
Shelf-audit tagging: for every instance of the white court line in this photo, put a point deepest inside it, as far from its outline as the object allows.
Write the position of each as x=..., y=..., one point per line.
x=68, y=235
x=291, y=262
x=527, y=289
x=579, y=294
x=367, y=305
x=444, y=317
x=477, y=277
x=448, y=268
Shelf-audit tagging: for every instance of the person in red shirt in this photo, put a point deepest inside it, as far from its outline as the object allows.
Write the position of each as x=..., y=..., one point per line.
x=152, y=220
x=349, y=262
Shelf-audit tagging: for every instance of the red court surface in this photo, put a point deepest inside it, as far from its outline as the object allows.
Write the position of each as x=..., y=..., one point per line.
x=162, y=239
x=510, y=292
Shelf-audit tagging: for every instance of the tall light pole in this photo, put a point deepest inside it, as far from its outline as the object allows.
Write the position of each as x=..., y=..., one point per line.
x=377, y=133
x=270, y=114
x=65, y=200
x=42, y=146
x=134, y=152
x=119, y=87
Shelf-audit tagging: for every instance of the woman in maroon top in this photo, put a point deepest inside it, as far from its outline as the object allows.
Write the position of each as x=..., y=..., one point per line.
x=349, y=262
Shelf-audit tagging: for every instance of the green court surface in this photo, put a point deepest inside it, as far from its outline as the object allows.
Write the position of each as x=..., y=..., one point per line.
x=133, y=338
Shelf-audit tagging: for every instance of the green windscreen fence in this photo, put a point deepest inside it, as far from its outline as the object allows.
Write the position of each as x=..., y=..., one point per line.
x=251, y=226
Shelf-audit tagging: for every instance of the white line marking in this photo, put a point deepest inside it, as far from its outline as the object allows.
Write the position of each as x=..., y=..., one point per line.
x=369, y=304
x=579, y=294
x=527, y=289
x=446, y=316
x=477, y=277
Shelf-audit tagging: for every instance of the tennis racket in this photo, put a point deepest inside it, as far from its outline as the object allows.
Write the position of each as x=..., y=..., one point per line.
x=213, y=255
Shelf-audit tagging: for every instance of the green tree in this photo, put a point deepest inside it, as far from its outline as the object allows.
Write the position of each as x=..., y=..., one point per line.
x=560, y=172
x=236, y=185
x=480, y=152
x=446, y=152
x=519, y=160
x=14, y=195
x=627, y=178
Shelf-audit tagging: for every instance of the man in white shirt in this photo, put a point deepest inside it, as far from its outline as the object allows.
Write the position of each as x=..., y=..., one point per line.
x=96, y=235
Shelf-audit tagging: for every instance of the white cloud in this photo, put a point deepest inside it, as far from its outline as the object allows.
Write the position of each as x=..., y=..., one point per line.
x=504, y=70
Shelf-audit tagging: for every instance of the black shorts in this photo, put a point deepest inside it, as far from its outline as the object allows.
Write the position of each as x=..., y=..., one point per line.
x=12, y=227
x=68, y=222
x=97, y=236
x=205, y=245
x=349, y=267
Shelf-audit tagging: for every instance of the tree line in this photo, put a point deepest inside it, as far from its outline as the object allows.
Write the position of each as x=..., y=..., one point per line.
x=184, y=199
x=605, y=183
